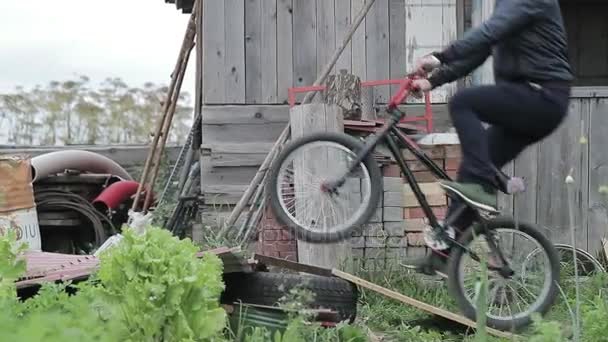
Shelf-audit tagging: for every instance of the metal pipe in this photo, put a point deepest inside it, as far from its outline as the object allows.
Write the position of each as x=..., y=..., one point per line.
x=56, y=162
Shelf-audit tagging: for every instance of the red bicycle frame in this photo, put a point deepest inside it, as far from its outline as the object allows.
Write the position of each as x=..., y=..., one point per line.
x=395, y=101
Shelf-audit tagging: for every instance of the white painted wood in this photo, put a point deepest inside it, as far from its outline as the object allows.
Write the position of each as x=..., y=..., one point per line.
x=481, y=11
x=343, y=21
x=234, y=61
x=284, y=49
x=378, y=61
x=305, y=42
x=253, y=51
x=397, y=41
x=359, y=62
x=305, y=120
x=326, y=32
x=213, y=52
x=268, y=61
x=430, y=26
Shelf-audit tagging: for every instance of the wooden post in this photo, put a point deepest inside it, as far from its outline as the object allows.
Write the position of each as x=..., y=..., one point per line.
x=307, y=119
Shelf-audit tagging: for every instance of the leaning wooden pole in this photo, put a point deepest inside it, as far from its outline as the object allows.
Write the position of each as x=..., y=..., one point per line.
x=186, y=47
x=258, y=179
x=167, y=126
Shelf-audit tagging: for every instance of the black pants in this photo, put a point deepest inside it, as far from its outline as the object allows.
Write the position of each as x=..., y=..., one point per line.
x=519, y=115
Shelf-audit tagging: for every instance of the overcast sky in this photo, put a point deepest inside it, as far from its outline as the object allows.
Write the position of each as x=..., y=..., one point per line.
x=44, y=40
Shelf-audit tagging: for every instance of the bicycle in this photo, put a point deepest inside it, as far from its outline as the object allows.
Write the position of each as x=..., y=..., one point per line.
x=309, y=220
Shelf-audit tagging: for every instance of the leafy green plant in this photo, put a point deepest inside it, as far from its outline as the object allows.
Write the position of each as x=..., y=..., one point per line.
x=150, y=287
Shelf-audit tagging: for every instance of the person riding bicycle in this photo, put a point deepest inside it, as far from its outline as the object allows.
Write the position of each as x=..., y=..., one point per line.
x=528, y=101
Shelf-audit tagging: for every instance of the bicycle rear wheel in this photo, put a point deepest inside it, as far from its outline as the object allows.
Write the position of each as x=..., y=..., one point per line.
x=510, y=301
x=299, y=200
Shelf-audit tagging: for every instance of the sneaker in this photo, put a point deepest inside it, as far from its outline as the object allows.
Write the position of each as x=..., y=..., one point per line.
x=475, y=194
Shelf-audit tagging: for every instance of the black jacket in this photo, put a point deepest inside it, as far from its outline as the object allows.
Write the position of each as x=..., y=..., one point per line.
x=526, y=39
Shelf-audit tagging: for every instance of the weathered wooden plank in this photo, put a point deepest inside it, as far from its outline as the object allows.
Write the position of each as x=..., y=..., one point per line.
x=213, y=52
x=284, y=48
x=249, y=114
x=305, y=120
x=226, y=175
x=305, y=42
x=343, y=21
x=268, y=59
x=242, y=133
x=505, y=202
x=252, y=154
x=326, y=32
x=526, y=166
x=397, y=40
x=415, y=303
x=558, y=154
x=598, y=175
x=378, y=61
x=234, y=61
x=224, y=194
x=253, y=51
x=481, y=11
x=359, y=42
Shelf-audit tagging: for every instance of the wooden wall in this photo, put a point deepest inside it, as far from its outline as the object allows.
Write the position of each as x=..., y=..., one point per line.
x=255, y=49
x=579, y=145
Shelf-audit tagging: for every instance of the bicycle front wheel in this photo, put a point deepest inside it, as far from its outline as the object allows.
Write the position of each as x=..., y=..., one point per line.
x=510, y=300
x=300, y=201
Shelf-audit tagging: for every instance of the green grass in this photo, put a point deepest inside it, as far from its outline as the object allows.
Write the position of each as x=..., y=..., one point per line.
x=400, y=322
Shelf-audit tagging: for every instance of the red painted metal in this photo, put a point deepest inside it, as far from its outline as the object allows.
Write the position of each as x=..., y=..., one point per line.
x=116, y=193
x=398, y=98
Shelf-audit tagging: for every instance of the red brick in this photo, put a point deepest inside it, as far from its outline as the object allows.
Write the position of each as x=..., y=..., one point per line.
x=391, y=170
x=453, y=151
x=424, y=176
x=286, y=246
x=419, y=166
x=431, y=151
x=271, y=235
x=270, y=225
x=286, y=235
x=415, y=239
x=412, y=213
x=267, y=247
x=268, y=214
x=452, y=164
x=452, y=173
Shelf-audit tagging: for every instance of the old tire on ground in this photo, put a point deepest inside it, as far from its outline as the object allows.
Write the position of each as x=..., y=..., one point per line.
x=266, y=288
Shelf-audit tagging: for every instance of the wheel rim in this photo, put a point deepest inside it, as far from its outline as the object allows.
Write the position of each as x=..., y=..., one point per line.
x=588, y=265
x=299, y=188
x=517, y=297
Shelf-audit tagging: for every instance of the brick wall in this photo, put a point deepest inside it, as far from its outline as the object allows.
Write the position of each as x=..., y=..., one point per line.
x=395, y=230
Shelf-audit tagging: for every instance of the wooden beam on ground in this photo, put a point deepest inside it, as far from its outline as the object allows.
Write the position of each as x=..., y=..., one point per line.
x=292, y=265
x=415, y=303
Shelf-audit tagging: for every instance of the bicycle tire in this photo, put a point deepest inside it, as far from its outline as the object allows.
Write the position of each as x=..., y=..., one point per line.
x=300, y=232
x=495, y=223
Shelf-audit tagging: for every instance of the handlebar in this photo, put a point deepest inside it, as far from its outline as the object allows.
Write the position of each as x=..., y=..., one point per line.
x=404, y=90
